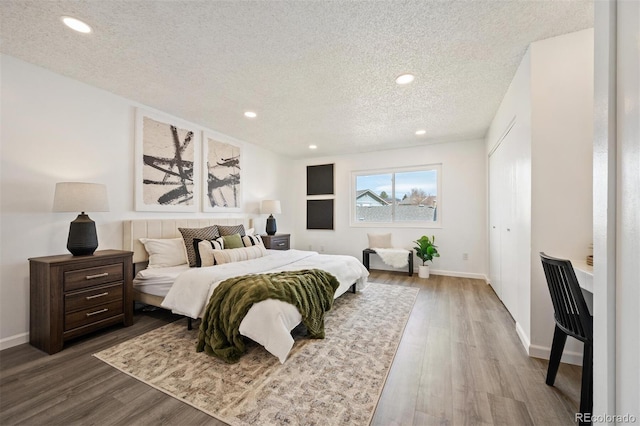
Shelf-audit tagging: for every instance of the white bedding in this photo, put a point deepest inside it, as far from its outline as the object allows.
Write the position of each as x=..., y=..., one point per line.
x=158, y=281
x=269, y=322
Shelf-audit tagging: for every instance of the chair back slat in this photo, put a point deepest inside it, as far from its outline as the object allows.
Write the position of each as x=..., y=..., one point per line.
x=571, y=311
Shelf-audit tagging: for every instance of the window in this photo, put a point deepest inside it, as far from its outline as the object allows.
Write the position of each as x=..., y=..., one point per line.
x=399, y=197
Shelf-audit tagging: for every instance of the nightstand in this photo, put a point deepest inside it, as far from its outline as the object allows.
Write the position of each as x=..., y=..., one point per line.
x=277, y=241
x=75, y=295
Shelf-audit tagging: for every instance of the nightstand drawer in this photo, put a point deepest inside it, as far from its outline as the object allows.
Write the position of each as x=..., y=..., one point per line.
x=280, y=243
x=95, y=313
x=82, y=278
x=95, y=296
x=277, y=242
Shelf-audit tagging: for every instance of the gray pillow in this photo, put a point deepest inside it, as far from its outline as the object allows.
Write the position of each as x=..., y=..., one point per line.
x=230, y=230
x=189, y=234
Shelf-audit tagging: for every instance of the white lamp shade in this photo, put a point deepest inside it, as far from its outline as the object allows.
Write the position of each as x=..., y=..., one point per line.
x=270, y=207
x=80, y=197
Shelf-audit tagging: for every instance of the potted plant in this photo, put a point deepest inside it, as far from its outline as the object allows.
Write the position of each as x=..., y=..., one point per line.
x=426, y=251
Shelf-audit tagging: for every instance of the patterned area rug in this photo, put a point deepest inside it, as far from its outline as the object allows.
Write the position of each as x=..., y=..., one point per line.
x=334, y=381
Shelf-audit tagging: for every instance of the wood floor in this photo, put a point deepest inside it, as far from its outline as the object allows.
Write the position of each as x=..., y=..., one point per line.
x=460, y=362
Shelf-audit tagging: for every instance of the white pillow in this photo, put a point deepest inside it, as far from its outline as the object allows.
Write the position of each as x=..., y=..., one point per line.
x=205, y=252
x=165, y=252
x=238, y=254
x=252, y=240
x=251, y=231
x=380, y=240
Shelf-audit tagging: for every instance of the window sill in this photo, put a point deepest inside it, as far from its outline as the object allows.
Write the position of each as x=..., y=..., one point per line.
x=415, y=225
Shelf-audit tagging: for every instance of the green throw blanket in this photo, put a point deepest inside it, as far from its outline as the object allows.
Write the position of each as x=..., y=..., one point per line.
x=311, y=291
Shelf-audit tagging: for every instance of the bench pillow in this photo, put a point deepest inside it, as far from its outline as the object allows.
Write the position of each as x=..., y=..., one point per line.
x=379, y=240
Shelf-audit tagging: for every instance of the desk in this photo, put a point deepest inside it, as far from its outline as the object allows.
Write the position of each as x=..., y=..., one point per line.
x=584, y=274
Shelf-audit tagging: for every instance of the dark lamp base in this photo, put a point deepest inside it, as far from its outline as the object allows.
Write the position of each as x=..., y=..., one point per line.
x=271, y=225
x=83, y=239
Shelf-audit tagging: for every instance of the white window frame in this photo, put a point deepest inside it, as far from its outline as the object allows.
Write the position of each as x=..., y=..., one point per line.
x=353, y=222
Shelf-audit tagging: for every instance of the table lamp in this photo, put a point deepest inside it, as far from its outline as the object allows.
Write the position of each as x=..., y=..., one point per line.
x=81, y=197
x=270, y=207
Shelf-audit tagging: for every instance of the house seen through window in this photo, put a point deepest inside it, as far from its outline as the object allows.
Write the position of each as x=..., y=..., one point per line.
x=407, y=196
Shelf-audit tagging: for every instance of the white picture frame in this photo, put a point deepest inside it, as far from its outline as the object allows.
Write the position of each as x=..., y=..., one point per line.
x=167, y=163
x=222, y=177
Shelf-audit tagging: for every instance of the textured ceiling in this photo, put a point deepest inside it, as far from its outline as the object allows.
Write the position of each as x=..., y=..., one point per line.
x=319, y=72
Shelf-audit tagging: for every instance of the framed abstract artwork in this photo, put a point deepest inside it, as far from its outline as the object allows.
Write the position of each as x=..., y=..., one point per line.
x=320, y=179
x=222, y=175
x=167, y=164
x=320, y=214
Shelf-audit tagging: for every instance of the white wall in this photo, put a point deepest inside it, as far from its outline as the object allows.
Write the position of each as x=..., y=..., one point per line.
x=551, y=96
x=562, y=165
x=57, y=129
x=462, y=207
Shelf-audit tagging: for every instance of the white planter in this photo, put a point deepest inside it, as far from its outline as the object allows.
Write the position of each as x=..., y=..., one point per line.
x=423, y=271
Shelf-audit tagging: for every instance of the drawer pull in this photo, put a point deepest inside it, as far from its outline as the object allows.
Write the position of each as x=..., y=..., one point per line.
x=106, y=293
x=101, y=311
x=281, y=244
x=92, y=277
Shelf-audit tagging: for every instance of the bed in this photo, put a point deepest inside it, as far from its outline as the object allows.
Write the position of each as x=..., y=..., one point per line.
x=185, y=290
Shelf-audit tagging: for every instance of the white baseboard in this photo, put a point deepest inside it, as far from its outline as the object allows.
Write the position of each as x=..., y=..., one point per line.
x=568, y=357
x=18, y=339
x=524, y=339
x=432, y=271
x=455, y=274
x=544, y=352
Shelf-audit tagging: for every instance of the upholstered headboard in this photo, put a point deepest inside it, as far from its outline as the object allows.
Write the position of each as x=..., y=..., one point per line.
x=167, y=228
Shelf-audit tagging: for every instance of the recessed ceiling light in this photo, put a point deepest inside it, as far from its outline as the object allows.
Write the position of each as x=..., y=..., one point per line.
x=250, y=114
x=405, y=78
x=313, y=146
x=76, y=24
x=421, y=132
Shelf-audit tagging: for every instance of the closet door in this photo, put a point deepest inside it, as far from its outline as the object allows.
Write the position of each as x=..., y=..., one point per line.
x=495, y=192
x=503, y=258
x=508, y=232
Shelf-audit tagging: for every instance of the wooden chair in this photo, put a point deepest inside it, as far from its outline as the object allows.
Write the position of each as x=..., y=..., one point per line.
x=572, y=319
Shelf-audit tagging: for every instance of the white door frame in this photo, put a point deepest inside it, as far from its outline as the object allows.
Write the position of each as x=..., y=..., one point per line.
x=616, y=199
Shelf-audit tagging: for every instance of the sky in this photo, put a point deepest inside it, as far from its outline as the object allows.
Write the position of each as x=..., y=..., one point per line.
x=405, y=181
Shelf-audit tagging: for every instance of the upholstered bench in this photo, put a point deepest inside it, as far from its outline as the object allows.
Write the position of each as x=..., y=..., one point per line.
x=367, y=252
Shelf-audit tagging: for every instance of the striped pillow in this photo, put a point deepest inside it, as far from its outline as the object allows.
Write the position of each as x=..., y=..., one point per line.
x=252, y=240
x=230, y=230
x=203, y=251
x=238, y=254
x=189, y=234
